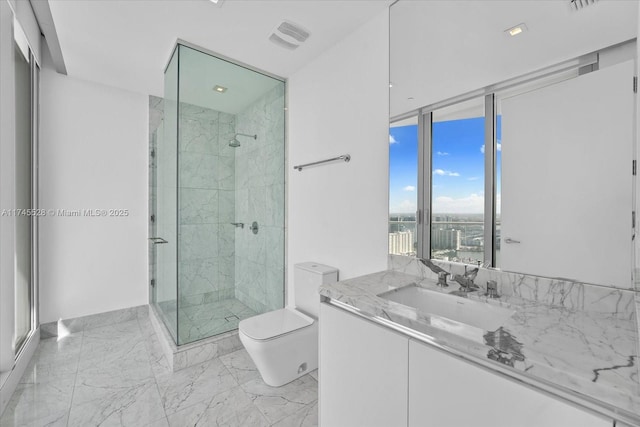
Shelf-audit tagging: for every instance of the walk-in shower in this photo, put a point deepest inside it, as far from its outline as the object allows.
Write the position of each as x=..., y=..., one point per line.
x=235, y=143
x=208, y=272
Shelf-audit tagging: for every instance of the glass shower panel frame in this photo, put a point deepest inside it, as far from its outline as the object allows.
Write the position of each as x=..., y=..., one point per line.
x=165, y=241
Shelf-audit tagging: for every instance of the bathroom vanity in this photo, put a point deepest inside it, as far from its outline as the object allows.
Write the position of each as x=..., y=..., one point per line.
x=388, y=363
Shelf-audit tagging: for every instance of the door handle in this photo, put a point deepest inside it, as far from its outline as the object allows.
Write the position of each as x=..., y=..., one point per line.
x=510, y=240
x=157, y=240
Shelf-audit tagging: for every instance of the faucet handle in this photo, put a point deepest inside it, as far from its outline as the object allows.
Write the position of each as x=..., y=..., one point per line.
x=442, y=279
x=492, y=289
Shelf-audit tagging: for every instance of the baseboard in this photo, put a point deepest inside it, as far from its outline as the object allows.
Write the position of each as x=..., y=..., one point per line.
x=79, y=324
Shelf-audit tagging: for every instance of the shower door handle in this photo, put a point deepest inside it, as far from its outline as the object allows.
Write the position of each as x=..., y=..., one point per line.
x=157, y=240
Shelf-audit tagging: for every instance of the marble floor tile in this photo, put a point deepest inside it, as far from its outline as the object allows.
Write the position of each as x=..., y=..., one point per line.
x=108, y=383
x=14, y=419
x=39, y=404
x=122, y=330
x=277, y=403
x=117, y=375
x=137, y=405
x=205, y=312
x=59, y=348
x=42, y=369
x=188, y=416
x=163, y=422
x=305, y=417
x=229, y=408
x=113, y=356
x=240, y=366
x=194, y=384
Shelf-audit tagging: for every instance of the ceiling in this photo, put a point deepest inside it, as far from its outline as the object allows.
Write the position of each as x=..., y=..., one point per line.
x=127, y=43
x=201, y=73
x=441, y=49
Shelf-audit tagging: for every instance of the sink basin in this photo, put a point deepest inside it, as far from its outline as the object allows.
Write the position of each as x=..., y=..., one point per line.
x=478, y=314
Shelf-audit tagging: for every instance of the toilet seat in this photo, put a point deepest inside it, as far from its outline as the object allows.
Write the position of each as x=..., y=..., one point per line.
x=274, y=324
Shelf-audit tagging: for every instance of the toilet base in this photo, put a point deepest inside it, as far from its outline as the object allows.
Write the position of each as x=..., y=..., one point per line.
x=285, y=358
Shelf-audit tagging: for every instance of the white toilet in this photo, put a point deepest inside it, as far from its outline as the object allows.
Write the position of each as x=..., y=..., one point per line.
x=284, y=343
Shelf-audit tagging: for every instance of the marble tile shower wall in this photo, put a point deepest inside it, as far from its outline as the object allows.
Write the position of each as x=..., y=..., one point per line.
x=206, y=207
x=260, y=197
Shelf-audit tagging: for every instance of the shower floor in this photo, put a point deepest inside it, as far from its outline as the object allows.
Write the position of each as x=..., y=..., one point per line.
x=201, y=321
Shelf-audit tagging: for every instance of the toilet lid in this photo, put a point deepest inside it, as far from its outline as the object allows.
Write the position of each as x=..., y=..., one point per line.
x=274, y=323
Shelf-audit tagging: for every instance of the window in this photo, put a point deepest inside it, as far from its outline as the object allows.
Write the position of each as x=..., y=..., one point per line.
x=403, y=185
x=457, y=182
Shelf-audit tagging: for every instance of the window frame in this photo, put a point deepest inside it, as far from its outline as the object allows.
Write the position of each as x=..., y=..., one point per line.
x=492, y=95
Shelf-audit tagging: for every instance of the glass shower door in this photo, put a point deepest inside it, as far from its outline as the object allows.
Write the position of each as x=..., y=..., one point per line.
x=164, y=234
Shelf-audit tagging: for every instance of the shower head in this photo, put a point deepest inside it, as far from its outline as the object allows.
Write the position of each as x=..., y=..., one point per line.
x=235, y=143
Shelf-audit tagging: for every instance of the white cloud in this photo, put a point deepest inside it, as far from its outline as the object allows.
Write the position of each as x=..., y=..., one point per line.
x=409, y=188
x=442, y=153
x=392, y=140
x=499, y=147
x=442, y=172
x=473, y=178
x=473, y=203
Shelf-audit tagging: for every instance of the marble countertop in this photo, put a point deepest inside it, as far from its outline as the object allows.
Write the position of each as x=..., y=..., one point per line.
x=588, y=357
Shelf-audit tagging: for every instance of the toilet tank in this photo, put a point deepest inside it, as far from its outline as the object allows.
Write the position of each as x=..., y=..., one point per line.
x=307, y=278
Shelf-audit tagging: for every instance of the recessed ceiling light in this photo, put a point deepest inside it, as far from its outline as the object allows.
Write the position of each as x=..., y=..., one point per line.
x=217, y=2
x=514, y=31
x=220, y=89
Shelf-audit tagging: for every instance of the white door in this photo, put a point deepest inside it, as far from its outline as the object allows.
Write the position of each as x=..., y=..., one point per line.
x=567, y=181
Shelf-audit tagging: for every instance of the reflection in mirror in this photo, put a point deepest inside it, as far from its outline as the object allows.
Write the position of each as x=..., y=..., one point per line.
x=457, y=183
x=556, y=211
x=403, y=185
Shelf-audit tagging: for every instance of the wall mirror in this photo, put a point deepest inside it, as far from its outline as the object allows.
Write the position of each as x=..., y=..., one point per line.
x=515, y=151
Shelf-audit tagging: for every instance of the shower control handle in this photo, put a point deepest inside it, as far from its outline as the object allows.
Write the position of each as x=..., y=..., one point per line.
x=157, y=240
x=254, y=227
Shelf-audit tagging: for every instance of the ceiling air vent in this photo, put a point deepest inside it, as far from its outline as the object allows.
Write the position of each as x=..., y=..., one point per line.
x=581, y=4
x=289, y=35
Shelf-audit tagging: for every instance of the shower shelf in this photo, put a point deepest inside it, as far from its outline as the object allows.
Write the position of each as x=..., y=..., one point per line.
x=345, y=157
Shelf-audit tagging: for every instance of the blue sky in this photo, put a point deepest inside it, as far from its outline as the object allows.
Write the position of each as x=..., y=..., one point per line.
x=458, y=166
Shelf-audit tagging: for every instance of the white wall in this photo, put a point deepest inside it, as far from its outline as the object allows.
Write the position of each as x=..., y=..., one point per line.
x=93, y=155
x=478, y=53
x=338, y=104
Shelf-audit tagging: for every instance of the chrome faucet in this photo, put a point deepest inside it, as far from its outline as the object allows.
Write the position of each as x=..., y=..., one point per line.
x=492, y=289
x=442, y=279
x=442, y=273
x=466, y=281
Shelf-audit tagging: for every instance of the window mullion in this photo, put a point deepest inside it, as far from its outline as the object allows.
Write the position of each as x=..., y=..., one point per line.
x=490, y=146
x=424, y=185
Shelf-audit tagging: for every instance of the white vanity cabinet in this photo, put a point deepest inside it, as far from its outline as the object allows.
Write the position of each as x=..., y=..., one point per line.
x=445, y=391
x=372, y=376
x=363, y=376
